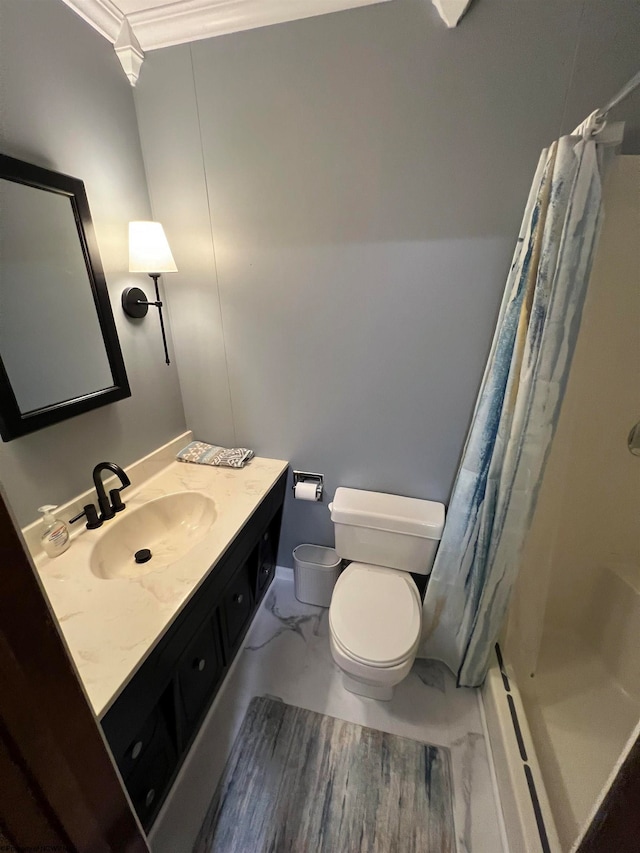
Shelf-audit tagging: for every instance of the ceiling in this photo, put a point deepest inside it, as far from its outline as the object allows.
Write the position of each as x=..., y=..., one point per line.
x=136, y=26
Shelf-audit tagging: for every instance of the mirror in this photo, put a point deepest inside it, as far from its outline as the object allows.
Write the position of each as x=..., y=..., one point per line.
x=59, y=349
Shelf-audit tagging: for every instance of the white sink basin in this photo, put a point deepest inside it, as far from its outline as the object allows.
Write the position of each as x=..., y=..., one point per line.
x=169, y=527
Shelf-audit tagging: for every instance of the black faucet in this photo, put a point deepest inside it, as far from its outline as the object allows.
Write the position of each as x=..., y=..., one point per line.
x=109, y=506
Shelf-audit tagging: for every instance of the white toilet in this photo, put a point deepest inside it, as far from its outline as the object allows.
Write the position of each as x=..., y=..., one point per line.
x=375, y=615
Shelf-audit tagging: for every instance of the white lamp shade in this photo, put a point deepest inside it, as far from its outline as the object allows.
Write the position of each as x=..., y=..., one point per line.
x=148, y=249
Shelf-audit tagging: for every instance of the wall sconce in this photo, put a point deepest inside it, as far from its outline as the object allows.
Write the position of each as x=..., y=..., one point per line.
x=148, y=252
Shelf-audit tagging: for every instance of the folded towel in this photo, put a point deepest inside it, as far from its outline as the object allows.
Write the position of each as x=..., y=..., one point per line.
x=210, y=454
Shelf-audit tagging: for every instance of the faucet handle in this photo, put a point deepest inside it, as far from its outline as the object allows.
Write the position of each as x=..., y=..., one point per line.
x=117, y=503
x=91, y=514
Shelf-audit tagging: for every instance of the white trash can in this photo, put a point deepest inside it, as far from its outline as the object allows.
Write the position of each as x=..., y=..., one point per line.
x=315, y=572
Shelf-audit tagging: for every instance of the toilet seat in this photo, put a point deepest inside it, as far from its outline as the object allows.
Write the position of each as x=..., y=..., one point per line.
x=375, y=615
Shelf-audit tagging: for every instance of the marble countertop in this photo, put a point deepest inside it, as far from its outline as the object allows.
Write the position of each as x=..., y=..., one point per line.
x=111, y=625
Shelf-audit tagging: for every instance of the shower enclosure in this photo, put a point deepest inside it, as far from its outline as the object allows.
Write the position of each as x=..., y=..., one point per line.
x=563, y=699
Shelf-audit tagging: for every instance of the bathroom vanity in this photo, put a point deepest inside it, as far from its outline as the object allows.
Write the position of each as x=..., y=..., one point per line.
x=152, y=645
x=153, y=722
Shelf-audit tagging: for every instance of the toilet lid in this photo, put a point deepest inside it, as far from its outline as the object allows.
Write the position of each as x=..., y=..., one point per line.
x=375, y=614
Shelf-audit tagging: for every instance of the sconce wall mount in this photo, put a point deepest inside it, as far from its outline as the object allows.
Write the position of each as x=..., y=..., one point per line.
x=135, y=303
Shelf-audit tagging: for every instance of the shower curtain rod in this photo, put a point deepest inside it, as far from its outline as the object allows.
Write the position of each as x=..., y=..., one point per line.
x=622, y=94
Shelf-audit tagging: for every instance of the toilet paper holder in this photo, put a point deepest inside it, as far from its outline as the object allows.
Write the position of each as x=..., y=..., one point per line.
x=307, y=477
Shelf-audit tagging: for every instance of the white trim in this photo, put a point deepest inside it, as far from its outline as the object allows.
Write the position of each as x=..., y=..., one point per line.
x=103, y=15
x=451, y=11
x=493, y=774
x=129, y=52
x=191, y=20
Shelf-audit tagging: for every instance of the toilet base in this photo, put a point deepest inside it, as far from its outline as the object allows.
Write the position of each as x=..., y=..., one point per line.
x=383, y=692
x=359, y=678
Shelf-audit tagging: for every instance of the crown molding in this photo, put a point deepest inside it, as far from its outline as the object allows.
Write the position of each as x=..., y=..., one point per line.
x=451, y=11
x=129, y=52
x=191, y=20
x=103, y=15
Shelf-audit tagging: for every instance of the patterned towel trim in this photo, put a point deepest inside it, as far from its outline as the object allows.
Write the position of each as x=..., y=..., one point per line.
x=210, y=454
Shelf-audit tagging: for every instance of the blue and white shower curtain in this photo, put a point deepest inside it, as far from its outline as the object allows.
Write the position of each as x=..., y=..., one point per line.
x=516, y=412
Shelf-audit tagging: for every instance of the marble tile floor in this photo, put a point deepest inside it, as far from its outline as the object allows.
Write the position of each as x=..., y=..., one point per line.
x=286, y=655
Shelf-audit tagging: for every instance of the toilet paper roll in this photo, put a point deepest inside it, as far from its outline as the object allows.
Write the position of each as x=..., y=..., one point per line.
x=305, y=491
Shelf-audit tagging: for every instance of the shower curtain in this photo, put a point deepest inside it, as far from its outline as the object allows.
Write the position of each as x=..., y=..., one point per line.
x=516, y=412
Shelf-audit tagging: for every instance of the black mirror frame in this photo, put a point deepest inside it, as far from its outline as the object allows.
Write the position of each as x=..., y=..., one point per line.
x=13, y=422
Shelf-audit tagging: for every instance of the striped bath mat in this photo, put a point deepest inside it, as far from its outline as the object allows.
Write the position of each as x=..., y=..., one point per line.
x=301, y=782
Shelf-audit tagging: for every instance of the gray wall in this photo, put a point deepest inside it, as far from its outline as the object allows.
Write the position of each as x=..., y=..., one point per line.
x=343, y=195
x=66, y=105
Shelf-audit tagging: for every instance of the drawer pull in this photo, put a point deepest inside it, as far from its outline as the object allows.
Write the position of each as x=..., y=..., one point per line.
x=238, y=598
x=265, y=570
x=151, y=795
x=199, y=664
x=136, y=749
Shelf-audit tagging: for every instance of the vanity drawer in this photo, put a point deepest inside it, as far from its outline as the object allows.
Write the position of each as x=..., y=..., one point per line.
x=237, y=606
x=149, y=783
x=267, y=557
x=199, y=671
x=149, y=736
x=146, y=761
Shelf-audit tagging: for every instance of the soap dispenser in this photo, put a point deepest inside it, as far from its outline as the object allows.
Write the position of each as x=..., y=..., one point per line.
x=55, y=538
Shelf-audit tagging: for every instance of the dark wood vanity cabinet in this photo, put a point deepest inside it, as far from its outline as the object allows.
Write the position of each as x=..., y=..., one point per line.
x=153, y=722
x=153, y=772
x=267, y=553
x=198, y=674
x=237, y=608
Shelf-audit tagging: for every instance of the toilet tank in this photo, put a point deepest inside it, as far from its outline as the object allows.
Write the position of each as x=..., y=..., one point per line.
x=387, y=530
